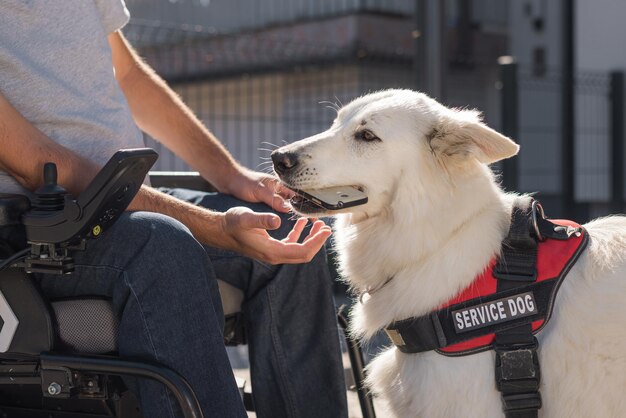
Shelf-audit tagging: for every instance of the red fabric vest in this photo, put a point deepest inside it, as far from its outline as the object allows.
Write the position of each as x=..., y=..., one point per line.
x=552, y=258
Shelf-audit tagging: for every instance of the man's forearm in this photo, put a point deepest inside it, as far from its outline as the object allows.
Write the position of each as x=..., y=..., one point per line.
x=205, y=225
x=159, y=112
x=25, y=150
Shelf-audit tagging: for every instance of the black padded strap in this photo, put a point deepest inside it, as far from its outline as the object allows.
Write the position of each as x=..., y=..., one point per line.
x=518, y=256
x=437, y=329
x=517, y=366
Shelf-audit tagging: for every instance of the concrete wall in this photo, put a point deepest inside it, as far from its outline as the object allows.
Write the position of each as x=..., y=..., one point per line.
x=601, y=34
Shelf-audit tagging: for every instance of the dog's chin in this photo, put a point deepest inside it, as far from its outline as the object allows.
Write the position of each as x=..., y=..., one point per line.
x=306, y=208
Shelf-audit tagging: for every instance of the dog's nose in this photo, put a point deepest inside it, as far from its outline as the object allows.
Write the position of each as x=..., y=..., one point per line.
x=284, y=161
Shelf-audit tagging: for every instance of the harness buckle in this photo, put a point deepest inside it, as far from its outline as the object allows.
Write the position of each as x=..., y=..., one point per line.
x=536, y=208
x=395, y=337
x=517, y=364
x=544, y=228
x=518, y=376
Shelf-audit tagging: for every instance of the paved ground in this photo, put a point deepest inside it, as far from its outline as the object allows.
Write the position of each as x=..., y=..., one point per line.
x=354, y=409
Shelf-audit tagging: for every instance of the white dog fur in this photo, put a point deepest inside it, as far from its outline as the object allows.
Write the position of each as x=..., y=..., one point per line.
x=435, y=218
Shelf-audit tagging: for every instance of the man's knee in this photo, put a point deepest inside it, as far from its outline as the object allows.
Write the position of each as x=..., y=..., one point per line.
x=151, y=238
x=153, y=229
x=166, y=256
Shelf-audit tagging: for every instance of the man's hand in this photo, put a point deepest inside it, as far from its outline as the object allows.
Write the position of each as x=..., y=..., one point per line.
x=253, y=186
x=248, y=231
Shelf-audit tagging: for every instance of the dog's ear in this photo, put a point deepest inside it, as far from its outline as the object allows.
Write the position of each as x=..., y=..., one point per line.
x=464, y=135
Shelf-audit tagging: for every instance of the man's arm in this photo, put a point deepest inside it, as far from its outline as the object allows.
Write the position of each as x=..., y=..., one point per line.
x=159, y=112
x=25, y=150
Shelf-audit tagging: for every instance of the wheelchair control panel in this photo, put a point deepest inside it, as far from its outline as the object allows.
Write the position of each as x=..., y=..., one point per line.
x=57, y=222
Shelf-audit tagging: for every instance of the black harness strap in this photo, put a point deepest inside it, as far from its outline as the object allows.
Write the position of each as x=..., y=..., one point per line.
x=436, y=330
x=518, y=256
x=517, y=366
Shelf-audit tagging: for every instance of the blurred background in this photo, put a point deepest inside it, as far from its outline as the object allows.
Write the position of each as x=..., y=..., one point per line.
x=550, y=74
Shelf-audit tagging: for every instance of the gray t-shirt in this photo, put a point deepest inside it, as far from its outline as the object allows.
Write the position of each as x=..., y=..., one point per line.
x=56, y=70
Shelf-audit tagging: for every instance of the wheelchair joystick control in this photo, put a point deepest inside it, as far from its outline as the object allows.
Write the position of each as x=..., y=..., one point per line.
x=59, y=223
x=50, y=196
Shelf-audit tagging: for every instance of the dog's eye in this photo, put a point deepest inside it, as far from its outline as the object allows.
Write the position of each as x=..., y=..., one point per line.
x=365, y=135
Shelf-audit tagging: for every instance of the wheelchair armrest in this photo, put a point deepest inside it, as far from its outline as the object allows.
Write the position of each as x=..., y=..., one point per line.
x=97, y=207
x=180, y=179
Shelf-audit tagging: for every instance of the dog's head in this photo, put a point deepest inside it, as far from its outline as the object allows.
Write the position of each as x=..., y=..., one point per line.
x=378, y=139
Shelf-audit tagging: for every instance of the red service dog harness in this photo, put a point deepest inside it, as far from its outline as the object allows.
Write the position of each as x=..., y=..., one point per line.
x=504, y=307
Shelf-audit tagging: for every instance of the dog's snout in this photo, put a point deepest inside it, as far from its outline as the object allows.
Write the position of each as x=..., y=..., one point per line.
x=284, y=161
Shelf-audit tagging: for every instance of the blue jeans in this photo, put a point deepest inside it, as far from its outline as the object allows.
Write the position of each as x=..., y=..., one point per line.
x=164, y=290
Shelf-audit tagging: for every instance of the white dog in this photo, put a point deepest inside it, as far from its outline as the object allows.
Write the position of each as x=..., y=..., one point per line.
x=434, y=220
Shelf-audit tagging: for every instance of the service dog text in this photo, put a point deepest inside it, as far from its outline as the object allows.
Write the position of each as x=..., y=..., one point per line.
x=494, y=312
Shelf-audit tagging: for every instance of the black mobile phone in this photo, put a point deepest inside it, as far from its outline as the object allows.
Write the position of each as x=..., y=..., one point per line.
x=335, y=198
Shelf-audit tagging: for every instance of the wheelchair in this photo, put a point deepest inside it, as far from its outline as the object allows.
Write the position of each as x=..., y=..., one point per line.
x=59, y=358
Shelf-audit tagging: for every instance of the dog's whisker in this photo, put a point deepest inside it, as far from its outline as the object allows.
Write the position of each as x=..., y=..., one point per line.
x=330, y=105
x=270, y=144
x=332, y=108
